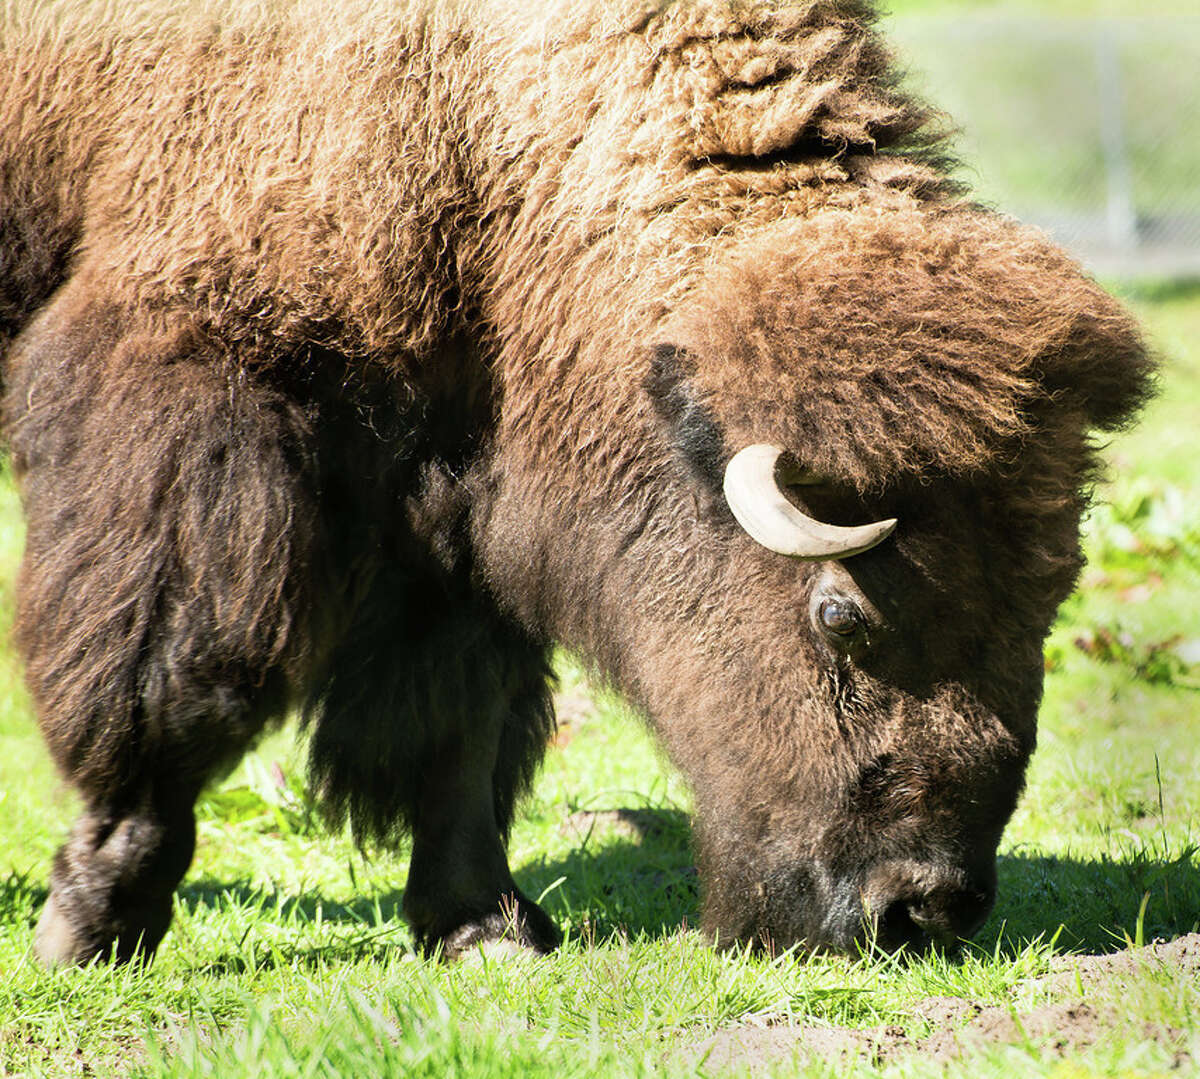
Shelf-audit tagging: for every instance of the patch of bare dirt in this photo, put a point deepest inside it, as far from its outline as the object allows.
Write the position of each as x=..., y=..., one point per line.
x=957, y=1025
x=629, y=823
x=1069, y=972
x=572, y=709
x=1055, y=1028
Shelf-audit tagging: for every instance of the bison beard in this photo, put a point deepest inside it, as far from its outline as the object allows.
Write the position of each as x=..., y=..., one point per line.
x=356, y=403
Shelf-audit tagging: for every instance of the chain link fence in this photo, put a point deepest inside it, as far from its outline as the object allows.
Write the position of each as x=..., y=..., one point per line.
x=1086, y=127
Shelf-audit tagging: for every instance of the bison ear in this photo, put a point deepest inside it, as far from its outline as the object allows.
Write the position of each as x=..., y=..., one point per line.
x=693, y=432
x=1106, y=365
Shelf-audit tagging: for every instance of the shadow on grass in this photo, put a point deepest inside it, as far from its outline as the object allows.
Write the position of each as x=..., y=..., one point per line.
x=631, y=874
x=303, y=930
x=1094, y=905
x=306, y=907
x=645, y=884
x=21, y=897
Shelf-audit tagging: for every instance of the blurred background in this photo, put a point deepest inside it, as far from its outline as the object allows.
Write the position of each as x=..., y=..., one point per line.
x=1080, y=117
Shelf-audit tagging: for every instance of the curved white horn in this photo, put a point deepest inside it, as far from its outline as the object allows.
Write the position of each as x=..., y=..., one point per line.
x=762, y=509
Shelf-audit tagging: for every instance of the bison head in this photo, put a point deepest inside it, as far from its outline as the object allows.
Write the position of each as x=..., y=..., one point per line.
x=893, y=409
x=820, y=535
x=869, y=801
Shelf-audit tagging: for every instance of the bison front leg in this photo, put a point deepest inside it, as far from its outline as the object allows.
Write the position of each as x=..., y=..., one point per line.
x=460, y=892
x=433, y=720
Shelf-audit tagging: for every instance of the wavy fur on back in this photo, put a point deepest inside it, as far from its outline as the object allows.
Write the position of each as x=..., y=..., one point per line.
x=323, y=175
x=354, y=179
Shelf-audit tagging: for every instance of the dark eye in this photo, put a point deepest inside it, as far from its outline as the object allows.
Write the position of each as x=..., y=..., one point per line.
x=840, y=617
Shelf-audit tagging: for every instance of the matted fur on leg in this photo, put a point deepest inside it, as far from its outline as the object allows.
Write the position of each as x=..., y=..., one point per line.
x=161, y=609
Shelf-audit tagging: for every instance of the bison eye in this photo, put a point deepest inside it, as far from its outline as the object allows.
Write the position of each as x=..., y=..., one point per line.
x=840, y=617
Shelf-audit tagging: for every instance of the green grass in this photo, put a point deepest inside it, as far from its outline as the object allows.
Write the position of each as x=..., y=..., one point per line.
x=288, y=955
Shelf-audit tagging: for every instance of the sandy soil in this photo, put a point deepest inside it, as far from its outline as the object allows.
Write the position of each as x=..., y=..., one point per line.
x=955, y=1025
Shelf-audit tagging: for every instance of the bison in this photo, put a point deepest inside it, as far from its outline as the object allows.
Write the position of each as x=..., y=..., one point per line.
x=357, y=356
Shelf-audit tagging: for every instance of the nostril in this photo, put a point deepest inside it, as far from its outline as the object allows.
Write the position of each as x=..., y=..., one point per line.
x=950, y=916
x=933, y=923
x=897, y=928
x=917, y=918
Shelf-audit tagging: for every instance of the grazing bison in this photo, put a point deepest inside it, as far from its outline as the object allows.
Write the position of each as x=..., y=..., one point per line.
x=355, y=359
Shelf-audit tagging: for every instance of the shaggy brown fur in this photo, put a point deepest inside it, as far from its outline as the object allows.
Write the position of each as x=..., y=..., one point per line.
x=354, y=358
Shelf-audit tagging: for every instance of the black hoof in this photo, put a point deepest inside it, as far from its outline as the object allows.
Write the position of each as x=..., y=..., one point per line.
x=516, y=925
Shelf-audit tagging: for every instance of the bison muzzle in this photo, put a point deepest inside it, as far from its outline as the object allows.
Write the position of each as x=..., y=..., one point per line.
x=357, y=355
